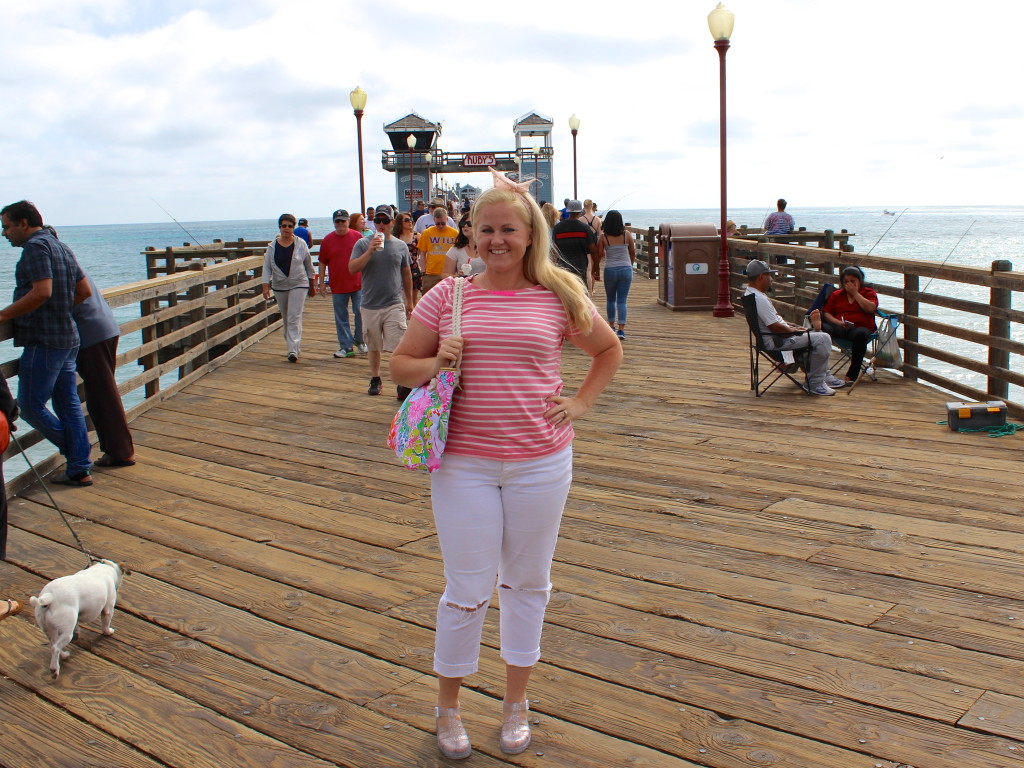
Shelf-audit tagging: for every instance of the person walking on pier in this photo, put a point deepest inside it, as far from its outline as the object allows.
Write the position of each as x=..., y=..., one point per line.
x=428, y=221
x=383, y=261
x=780, y=222
x=819, y=380
x=48, y=283
x=303, y=231
x=616, y=247
x=433, y=247
x=577, y=244
x=505, y=475
x=288, y=268
x=335, y=252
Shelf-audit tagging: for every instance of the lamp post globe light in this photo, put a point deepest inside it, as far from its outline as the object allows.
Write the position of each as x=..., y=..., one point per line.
x=411, y=143
x=720, y=22
x=574, y=126
x=358, y=101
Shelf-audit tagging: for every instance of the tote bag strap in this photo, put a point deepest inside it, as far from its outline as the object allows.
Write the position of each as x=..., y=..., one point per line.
x=457, y=293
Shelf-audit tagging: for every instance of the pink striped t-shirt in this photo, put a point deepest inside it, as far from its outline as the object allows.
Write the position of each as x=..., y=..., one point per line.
x=510, y=363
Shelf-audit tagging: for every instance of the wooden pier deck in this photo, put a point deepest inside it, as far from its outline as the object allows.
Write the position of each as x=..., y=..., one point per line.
x=785, y=581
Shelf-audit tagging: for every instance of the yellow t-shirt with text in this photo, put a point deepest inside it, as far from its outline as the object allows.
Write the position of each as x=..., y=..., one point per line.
x=434, y=244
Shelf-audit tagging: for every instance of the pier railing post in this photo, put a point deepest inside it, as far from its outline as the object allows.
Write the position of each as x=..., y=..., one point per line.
x=197, y=316
x=999, y=327
x=651, y=247
x=911, y=308
x=150, y=360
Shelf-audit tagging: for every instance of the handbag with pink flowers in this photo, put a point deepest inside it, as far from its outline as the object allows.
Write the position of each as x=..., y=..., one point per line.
x=419, y=430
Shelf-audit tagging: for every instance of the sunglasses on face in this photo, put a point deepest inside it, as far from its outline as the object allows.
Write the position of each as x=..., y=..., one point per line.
x=381, y=220
x=286, y=226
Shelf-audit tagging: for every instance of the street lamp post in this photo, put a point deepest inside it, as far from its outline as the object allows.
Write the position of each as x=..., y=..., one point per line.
x=411, y=143
x=536, y=172
x=720, y=22
x=574, y=126
x=358, y=101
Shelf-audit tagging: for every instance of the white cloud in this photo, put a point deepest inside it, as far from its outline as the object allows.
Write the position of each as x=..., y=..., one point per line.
x=222, y=109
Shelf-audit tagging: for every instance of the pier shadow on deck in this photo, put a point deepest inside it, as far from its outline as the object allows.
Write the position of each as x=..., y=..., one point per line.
x=784, y=581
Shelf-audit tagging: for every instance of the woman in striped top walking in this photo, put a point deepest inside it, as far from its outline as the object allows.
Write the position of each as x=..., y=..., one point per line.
x=505, y=476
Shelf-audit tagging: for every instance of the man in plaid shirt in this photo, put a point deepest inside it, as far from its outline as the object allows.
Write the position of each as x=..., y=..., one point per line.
x=48, y=283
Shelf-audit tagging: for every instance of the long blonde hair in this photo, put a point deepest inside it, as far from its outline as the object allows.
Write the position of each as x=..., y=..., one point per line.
x=538, y=266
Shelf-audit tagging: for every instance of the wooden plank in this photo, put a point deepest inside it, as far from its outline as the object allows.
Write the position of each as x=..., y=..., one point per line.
x=37, y=733
x=1000, y=714
x=687, y=683
x=126, y=705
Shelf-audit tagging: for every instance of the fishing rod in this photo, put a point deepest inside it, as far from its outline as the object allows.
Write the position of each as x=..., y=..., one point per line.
x=193, y=238
x=939, y=268
x=886, y=231
x=921, y=291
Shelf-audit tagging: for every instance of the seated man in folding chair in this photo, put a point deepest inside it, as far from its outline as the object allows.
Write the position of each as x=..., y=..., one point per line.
x=819, y=380
x=850, y=314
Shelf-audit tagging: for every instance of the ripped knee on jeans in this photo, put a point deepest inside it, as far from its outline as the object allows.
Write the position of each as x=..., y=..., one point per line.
x=465, y=608
x=523, y=589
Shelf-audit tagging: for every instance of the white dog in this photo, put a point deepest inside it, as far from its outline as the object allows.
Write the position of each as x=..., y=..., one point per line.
x=80, y=597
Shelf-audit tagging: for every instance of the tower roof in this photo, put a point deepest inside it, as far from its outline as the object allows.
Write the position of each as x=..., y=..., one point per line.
x=426, y=133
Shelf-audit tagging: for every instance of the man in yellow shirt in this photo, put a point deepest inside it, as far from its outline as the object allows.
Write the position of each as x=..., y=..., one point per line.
x=434, y=244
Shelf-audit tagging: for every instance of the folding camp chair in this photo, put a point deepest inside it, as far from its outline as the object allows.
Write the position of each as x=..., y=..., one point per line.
x=776, y=364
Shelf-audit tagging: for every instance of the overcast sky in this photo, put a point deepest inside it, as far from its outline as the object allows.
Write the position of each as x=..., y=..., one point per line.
x=232, y=109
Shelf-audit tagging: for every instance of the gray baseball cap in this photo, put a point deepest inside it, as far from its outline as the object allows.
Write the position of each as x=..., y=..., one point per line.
x=756, y=268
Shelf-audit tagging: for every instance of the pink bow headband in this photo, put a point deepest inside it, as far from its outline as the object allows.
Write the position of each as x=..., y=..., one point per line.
x=501, y=181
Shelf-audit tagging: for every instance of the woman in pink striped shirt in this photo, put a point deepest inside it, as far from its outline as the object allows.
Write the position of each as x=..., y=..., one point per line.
x=499, y=494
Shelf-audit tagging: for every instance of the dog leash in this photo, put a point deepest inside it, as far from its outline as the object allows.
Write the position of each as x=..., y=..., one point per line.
x=92, y=558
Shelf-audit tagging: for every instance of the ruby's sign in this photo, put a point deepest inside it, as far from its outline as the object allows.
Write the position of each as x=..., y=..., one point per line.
x=479, y=160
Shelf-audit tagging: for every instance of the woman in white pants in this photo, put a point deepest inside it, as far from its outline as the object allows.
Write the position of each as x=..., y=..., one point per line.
x=505, y=475
x=288, y=269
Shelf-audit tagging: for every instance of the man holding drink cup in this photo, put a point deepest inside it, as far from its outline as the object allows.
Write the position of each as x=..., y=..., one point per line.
x=387, y=292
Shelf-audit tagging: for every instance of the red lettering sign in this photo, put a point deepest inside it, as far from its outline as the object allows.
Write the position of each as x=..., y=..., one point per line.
x=479, y=160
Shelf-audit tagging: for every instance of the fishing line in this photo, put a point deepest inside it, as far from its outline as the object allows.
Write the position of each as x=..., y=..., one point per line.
x=193, y=237
x=92, y=558
x=937, y=269
x=886, y=231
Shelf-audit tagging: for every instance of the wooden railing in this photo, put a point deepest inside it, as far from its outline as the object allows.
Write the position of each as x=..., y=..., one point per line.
x=646, y=242
x=908, y=283
x=191, y=322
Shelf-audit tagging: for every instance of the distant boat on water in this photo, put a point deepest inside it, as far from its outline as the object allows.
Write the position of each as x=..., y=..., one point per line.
x=887, y=212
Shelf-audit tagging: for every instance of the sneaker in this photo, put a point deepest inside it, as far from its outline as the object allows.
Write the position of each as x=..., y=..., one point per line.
x=292, y=357
x=835, y=382
x=375, y=386
x=822, y=390
x=620, y=333
x=363, y=348
x=343, y=353
x=403, y=392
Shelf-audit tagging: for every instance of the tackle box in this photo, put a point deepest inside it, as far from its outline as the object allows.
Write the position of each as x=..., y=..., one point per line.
x=975, y=415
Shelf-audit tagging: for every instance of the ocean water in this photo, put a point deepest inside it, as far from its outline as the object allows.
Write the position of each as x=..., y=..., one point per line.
x=969, y=236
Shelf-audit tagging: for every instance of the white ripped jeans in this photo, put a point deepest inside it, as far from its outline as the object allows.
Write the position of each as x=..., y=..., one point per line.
x=497, y=522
